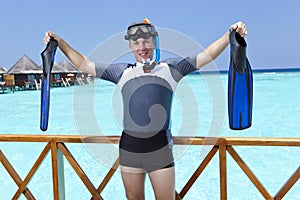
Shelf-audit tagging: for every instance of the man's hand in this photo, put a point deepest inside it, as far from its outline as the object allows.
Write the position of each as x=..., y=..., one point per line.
x=50, y=34
x=240, y=28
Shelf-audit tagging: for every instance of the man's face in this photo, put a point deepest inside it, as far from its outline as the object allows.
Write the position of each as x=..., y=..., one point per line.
x=142, y=48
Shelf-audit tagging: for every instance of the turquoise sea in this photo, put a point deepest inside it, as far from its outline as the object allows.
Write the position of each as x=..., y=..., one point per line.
x=200, y=109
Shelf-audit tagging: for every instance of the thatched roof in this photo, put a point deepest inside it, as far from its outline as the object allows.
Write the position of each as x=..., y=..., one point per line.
x=25, y=66
x=56, y=68
x=3, y=70
x=68, y=67
x=63, y=67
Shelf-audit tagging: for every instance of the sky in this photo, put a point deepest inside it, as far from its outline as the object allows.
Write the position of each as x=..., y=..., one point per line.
x=273, y=26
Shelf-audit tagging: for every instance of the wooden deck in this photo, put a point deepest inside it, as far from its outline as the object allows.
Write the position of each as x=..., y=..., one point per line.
x=224, y=145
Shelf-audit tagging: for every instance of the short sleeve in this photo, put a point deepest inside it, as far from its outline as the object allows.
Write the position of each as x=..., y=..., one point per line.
x=110, y=72
x=181, y=66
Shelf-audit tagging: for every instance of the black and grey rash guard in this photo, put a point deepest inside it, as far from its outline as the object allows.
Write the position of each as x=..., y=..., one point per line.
x=147, y=97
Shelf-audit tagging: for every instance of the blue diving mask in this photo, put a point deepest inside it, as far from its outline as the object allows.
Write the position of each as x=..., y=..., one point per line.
x=140, y=30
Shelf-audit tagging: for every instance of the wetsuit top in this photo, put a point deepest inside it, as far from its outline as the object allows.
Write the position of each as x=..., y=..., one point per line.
x=147, y=97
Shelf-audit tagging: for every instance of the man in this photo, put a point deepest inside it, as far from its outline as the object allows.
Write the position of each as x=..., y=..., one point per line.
x=147, y=88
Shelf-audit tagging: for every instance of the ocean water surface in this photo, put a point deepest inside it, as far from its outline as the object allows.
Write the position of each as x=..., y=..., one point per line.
x=199, y=109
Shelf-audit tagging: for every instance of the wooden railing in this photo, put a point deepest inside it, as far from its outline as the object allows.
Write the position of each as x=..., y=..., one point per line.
x=56, y=145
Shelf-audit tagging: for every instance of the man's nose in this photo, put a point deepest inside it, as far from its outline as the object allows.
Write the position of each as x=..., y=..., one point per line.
x=141, y=46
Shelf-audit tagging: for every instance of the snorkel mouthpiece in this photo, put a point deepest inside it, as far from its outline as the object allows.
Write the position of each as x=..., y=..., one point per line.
x=148, y=66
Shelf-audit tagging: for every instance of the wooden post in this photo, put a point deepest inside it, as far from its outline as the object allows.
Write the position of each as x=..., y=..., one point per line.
x=58, y=172
x=61, y=174
x=223, y=173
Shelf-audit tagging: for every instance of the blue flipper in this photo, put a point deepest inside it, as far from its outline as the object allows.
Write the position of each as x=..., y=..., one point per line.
x=240, y=85
x=48, y=59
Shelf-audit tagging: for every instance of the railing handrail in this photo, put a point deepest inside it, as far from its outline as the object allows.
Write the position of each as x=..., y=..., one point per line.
x=55, y=145
x=179, y=140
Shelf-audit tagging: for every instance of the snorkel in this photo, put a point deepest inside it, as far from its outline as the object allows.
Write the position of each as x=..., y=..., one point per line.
x=157, y=49
x=145, y=30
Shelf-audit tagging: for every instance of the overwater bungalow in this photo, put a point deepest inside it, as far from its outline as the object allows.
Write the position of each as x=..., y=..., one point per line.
x=71, y=74
x=23, y=74
x=63, y=74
